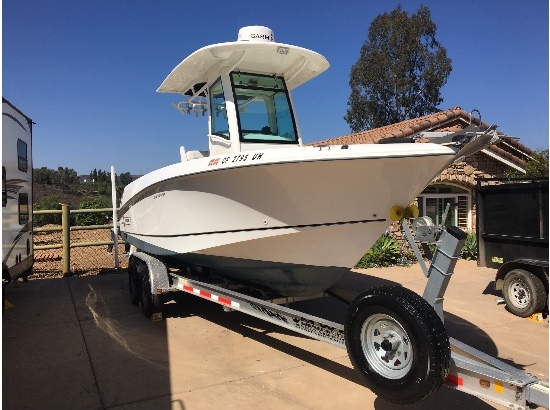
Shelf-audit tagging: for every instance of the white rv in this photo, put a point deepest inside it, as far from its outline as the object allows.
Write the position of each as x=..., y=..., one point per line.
x=17, y=247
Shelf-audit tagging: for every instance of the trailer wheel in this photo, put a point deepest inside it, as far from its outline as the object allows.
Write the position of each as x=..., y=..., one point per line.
x=524, y=293
x=397, y=343
x=149, y=302
x=134, y=280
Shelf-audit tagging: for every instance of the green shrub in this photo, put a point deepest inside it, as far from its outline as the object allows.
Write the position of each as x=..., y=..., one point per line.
x=48, y=202
x=99, y=218
x=469, y=251
x=385, y=252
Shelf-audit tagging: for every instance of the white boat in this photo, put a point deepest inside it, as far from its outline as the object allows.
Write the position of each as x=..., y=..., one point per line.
x=260, y=207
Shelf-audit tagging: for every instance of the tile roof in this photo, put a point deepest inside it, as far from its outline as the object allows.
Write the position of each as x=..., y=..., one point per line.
x=453, y=119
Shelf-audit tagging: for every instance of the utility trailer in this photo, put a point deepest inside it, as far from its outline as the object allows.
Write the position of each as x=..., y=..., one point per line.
x=512, y=237
x=17, y=246
x=396, y=340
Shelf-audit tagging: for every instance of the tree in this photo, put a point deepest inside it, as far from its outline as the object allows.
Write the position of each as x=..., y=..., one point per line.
x=93, y=175
x=125, y=178
x=43, y=176
x=399, y=73
x=65, y=177
x=537, y=166
x=48, y=202
x=99, y=218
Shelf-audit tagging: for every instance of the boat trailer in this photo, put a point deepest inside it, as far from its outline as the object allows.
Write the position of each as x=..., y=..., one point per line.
x=395, y=339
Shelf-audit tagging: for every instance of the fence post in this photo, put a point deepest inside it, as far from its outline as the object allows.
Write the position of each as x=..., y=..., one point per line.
x=66, y=239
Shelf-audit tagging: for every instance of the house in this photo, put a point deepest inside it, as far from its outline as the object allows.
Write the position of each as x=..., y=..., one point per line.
x=457, y=183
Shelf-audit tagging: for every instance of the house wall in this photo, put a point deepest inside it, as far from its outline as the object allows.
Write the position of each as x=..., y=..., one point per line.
x=478, y=165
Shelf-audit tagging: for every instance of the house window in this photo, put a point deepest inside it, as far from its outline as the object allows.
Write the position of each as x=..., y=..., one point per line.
x=433, y=201
x=23, y=209
x=22, y=155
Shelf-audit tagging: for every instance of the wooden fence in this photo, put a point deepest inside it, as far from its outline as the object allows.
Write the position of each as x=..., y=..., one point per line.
x=66, y=250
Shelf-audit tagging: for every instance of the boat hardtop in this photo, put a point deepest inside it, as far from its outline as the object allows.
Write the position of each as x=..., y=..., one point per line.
x=244, y=86
x=254, y=51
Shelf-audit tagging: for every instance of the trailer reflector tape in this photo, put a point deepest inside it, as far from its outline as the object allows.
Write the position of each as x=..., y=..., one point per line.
x=459, y=381
x=207, y=295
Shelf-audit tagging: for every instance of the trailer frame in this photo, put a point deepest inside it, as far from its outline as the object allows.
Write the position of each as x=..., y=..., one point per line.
x=470, y=370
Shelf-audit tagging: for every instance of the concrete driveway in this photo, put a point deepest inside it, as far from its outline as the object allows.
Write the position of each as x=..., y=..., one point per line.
x=78, y=343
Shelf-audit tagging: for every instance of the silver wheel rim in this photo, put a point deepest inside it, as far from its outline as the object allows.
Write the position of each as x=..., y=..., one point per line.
x=519, y=294
x=386, y=346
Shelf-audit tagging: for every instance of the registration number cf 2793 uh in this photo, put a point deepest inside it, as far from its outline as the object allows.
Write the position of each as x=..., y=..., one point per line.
x=235, y=158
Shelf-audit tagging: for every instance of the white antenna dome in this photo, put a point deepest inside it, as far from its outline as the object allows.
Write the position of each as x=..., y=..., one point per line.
x=256, y=33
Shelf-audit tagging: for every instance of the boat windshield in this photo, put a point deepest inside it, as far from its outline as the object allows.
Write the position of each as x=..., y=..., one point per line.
x=220, y=125
x=264, y=112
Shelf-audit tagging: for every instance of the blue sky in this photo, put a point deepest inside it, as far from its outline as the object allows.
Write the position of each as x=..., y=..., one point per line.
x=86, y=71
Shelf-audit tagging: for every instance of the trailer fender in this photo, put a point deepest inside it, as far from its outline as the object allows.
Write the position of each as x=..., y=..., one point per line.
x=136, y=267
x=536, y=267
x=147, y=278
x=158, y=273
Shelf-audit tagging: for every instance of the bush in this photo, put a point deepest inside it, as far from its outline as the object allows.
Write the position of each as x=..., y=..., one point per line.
x=48, y=202
x=385, y=252
x=469, y=251
x=99, y=218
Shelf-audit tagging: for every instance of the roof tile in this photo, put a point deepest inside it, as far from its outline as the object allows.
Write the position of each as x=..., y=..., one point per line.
x=453, y=119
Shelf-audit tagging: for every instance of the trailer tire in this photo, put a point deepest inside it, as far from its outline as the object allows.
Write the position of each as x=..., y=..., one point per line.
x=397, y=343
x=149, y=302
x=523, y=293
x=134, y=281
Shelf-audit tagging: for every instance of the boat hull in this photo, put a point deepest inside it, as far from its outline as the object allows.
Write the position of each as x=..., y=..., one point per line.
x=301, y=266
x=294, y=227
